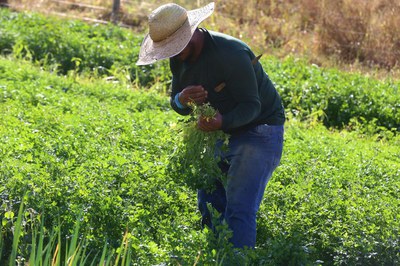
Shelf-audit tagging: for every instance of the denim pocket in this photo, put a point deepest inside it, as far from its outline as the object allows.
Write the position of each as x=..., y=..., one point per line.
x=268, y=134
x=261, y=131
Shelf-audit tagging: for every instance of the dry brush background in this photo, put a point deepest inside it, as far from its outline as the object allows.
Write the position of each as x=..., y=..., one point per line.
x=351, y=34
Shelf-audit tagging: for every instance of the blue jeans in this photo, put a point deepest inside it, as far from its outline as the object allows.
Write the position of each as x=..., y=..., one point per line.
x=249, y=162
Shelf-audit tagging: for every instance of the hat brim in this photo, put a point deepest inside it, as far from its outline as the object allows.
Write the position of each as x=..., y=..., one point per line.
x=151, y=51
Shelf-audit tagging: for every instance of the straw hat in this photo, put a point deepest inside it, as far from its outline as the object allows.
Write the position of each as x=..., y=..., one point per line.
x=170, y=29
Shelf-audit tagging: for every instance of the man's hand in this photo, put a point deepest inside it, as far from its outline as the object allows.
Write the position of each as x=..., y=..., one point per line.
x=195, y=94
x=210, y=124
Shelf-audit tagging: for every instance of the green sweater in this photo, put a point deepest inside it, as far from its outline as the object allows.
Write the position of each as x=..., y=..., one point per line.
x=248, y=98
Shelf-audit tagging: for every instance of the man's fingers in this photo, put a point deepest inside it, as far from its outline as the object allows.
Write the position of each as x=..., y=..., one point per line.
x=195, y=95
x=207, y=124
x=203, y=127
x=197, y=98
x=194, y=89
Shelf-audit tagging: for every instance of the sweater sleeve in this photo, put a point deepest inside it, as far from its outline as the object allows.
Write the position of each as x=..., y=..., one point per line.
x=176, y=88
x=241, y=84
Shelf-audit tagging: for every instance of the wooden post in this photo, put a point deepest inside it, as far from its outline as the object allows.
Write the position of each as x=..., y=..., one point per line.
x=115, y=10
x=4, y=3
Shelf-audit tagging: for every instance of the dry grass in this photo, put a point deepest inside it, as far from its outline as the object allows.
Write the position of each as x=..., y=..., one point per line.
x=356, y=35
x=352, y=34
x=366, y=31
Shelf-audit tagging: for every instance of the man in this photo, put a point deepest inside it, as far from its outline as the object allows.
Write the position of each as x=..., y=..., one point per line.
x=212, y=67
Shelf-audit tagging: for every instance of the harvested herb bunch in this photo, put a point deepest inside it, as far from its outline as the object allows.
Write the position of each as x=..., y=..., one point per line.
x=195, y=160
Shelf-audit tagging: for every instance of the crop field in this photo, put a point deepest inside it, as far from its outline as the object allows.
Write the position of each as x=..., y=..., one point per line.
x=86, y=141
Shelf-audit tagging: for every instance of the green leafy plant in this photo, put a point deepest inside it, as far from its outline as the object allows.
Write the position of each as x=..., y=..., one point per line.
x=334, y=96
x=74, y=46
x=195, y=159
x=95, y=152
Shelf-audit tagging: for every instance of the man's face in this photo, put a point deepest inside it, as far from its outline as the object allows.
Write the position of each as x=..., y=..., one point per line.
x=186, y=53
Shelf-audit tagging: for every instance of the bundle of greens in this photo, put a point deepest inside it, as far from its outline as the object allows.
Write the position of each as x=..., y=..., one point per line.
x=195, y=159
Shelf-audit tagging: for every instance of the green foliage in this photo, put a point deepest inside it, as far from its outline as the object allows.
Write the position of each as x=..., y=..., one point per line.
x=69, y=143
x=334, y=97
x=333, y=200
x=90, y=159
x=70, y=45
x=195, y=158
x=48, y=248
